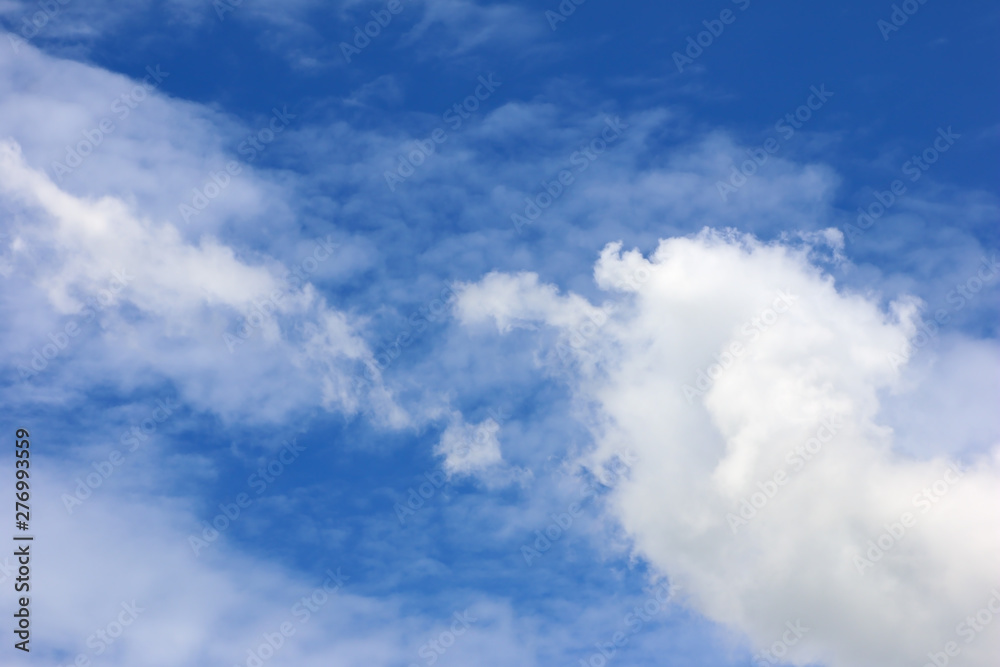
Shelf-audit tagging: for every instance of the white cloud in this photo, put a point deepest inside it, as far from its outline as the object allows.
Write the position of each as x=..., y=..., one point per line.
x=101, y=251
x=151, y=298
x=133, y=548
x=436, y=27
x=469, y=25
x=135, y=143
x=474, y=450
x=519, y=301
x=814, y=374
x=671, y=315
x=469, y=448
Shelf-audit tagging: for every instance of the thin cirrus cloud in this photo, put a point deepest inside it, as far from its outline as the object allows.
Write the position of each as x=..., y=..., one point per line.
x=74, y=237
x=222, y=606
x=178, y=291
x=307, y=33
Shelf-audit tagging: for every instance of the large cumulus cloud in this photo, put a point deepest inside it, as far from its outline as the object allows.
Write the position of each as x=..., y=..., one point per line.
x=772, y=486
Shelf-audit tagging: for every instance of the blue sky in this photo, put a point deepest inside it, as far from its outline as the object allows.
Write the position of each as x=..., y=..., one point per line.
x=213, y=263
